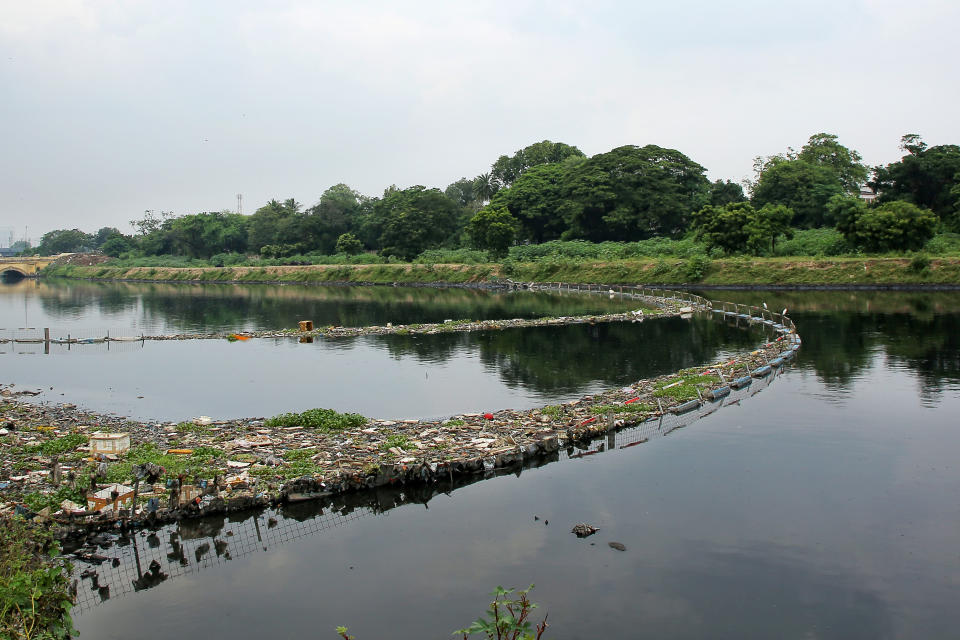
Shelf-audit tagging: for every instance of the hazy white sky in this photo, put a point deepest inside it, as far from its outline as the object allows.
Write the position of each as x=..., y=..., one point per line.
x=108, y=108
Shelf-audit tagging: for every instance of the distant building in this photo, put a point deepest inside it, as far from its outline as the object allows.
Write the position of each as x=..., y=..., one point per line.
x=867, y=194
x=7, y=252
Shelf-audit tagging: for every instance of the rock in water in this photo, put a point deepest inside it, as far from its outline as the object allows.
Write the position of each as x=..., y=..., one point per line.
x=619, y=546
x=583, y=530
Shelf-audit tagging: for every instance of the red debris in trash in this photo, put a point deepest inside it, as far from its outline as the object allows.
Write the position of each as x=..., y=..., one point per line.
x=488, y=416
x=588, y=421
x=631, y=400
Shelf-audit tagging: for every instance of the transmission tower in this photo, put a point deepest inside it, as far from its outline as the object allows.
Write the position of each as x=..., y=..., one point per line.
x=239, y=203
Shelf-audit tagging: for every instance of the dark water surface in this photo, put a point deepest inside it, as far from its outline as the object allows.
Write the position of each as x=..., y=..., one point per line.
x=823, y=506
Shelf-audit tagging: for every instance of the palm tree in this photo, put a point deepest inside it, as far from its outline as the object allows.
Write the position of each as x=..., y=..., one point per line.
x=484, y=187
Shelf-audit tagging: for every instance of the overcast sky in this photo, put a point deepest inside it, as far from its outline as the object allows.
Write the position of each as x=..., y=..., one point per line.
x=111, y=108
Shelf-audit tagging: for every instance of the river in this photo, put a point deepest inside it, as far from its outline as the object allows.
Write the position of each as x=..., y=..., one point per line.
x=824, y=506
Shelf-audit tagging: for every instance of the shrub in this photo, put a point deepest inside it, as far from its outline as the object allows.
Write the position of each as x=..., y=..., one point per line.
x=319, y=419
x=453, y=256
x=814, y=242
x=920, y=262
x=696, y=268
x=349, y=244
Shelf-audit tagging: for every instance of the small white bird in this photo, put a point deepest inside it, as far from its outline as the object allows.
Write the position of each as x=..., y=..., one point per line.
x=784, y=312
x=764, y=305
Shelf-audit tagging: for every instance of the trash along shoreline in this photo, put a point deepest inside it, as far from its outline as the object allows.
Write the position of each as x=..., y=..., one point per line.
x=126, y=474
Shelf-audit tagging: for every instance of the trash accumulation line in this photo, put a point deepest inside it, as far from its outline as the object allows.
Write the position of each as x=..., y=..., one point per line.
x=251, y=463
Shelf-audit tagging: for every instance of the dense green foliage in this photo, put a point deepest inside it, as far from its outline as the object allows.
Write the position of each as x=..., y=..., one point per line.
x=34, y=588
x=550, y=191
x=927, y=177
x=494, y=230
x=319, y=419
x=892, y=226
x=507, y=169
x=739, y=227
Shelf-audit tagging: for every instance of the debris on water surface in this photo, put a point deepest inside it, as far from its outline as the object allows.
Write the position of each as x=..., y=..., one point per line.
x=583, y=530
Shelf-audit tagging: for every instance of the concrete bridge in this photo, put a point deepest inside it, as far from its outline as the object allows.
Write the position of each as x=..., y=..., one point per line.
x=25, y=266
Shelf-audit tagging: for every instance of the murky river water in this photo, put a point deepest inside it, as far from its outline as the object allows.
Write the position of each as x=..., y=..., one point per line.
x=824, y=506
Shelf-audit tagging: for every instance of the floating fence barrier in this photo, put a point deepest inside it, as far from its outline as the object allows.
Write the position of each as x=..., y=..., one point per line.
x=126, y=564
x=30, y=339
x=12, y=340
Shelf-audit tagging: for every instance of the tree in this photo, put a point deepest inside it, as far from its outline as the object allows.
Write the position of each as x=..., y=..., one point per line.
x=738, y=226
x=892, y=226
x=64, y=241
x=116, y=245
x=926, y=176
x=724, y=226
x=151, y=221
x=21, y=247
x=484, y=187
x=767, y=224
x=103, y=234
x=722, y=193
x=415, y=219
x=349, y=244
x=633, y=193
x=822, y=149
x=493, y=229
x=507, y=169
x=338, y=212
x=464, y=193
x=844, y=211
x=801, y=186
x=539, y=199
x=276, y=223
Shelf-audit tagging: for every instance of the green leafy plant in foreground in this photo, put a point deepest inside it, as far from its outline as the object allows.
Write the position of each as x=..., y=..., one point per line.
x=34, y=589
x=506, y=619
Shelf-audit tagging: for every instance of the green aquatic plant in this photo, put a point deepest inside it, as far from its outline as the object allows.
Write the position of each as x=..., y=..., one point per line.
x=685, y=386
x=397, y=440
x=553, y=410
x=633, y=407
x=324, y=420
x=59, y=446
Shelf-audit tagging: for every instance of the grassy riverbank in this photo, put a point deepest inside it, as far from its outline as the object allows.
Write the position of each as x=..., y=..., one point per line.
x=697, y=270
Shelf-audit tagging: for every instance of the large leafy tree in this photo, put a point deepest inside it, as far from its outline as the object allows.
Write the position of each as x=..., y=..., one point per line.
x=726, y=192
x=493, y=229
x=823, y=149
x=926, y=176
x=539, y=199
x=338, y=212
x=892, y=226
x=799, y=185
x=202, y=235
x=739, y=227
x=632, y=193
x=103, y=234
x=415, y=219
x=507, y=169
x=65, y=241
x=464, y=193
x=276, y=224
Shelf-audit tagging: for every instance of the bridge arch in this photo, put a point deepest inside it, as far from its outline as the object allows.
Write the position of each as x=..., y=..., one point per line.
x=12, y=269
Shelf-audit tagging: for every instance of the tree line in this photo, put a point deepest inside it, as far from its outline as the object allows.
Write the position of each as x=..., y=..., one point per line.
x=553, y=191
